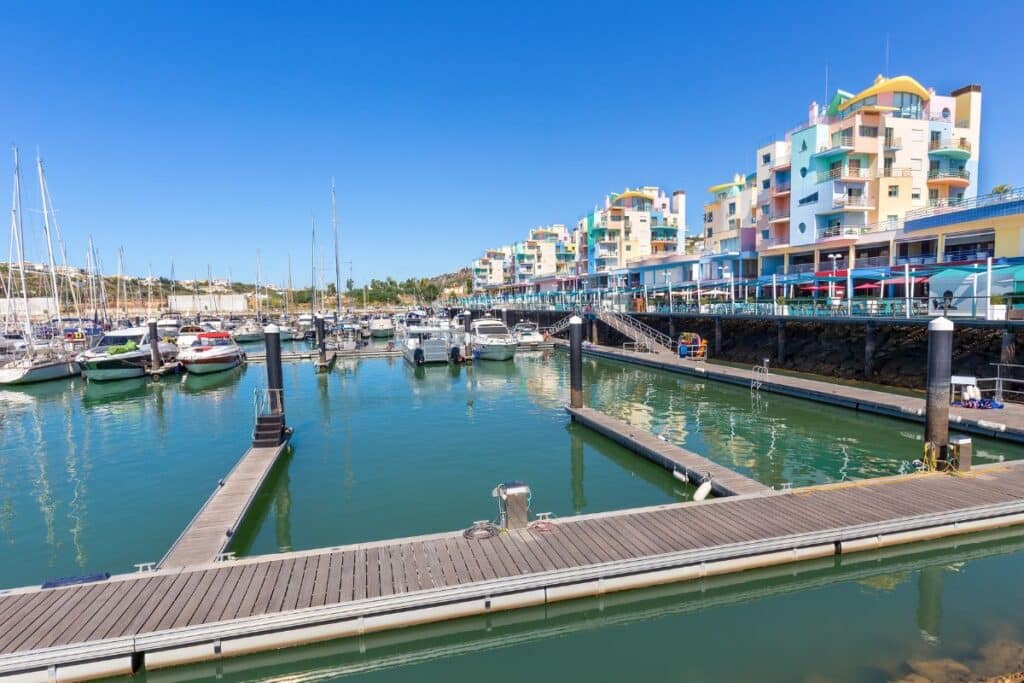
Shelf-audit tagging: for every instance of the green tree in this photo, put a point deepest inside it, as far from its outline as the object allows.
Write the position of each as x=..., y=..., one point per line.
x=1002, y=188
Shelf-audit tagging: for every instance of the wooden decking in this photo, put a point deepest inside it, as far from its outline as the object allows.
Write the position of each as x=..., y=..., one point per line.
x=724, y=481
x=1006, y=424
x=171, y=616
x=210, y=532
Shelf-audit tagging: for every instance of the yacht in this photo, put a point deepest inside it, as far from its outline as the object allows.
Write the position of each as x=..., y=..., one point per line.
x=491, y=340
x=122, y=354
x=528, y=336
x=382, y=327
x=423, y=345
x=40, y=366
x=251, y=331
x=211, y=352
x=189, y=334
x=168, y=327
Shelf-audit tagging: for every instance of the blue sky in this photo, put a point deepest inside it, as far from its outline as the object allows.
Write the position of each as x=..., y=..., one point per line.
x=204, y=131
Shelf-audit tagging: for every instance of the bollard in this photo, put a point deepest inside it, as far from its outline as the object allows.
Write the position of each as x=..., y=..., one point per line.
x=576, y=362
x=963, y=449
x=275, y=378
x=940, y=360
x=154, y=345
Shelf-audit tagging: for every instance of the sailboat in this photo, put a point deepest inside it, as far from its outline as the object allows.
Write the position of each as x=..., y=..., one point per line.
x=51, y=362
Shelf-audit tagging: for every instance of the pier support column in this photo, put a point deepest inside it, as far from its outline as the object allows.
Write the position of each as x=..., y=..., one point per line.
x=593, y=332
x=671, y=327
x=154, y=345
x=718, y=336
x=504, y=316
x=275, y=376
x=575, y=362
x=321, y=338
x=780, y=333
x=1008, y=352
x=869, y=349
x=467, y=320
x=940, y=361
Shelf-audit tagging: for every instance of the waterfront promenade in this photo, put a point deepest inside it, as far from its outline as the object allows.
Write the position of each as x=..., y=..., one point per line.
x=208, y=611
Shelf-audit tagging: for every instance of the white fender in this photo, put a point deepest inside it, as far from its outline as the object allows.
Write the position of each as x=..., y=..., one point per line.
x=702, y=491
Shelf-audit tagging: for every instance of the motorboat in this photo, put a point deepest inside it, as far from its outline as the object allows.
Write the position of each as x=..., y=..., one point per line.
x=423, y=345
x=382, y=327
x=189, y=334
x=123, y=354
x=250, y=331
x=168, y=327
x=490, y=339
x=211, y=352
x=528, y=336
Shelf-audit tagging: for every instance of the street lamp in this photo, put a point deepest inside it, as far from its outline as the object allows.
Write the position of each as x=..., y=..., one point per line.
x=668, y=282
x=832, y=284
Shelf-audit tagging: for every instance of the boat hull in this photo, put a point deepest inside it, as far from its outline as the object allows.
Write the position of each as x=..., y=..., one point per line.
x=382, y=334
x=39, y=373
x=494, y=351
x=205, y=367
x=115, y=368
x=245, y=337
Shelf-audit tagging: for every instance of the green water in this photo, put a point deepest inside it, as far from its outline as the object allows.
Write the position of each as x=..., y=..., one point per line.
x=99, y=477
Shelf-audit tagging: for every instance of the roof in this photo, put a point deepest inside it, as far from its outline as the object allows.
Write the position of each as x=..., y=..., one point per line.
x=737, y=181
x=629, y=194
x=888, y=85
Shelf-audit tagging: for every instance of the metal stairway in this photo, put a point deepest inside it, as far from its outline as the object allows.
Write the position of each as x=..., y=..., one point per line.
x=644, y=335
x=562, y=325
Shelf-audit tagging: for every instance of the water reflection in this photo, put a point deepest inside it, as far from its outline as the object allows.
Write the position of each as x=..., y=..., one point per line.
x=215, y=383
x=664, y=628
x=579, y=500
x=117, y=393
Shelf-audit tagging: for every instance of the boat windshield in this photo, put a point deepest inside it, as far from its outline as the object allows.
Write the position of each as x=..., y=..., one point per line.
x=526, y=327
x=119, y=339
x=492, y=329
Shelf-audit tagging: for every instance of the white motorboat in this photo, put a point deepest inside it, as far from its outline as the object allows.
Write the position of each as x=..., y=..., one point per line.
x=382, y=327
x=490, y=340
x=168, y=327
x=211, y=352
x=528, y=336
x=123, y=354
x=249, y=332
x=189, y=334
x=423, y=345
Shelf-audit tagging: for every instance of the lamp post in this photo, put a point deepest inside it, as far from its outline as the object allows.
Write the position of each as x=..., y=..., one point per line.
x=668, y=283
x=832, y=284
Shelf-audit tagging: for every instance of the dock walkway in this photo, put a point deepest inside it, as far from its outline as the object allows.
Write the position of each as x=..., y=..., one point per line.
x=210, y=532
x=724, y=481
x=177, y=615
x=293, y=356
x=1006, y=424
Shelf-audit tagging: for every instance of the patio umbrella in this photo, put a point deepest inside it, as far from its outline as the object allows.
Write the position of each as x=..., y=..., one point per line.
x=868, y=285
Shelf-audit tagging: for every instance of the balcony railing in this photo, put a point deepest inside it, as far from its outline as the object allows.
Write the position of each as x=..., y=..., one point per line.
x=779, y=188
x=893, y=142
x=840, y=231
x=769, y=242
x=858, y=202
x=781, y=162
x=890, y=172
x=801, y=267
x=971, y=254
x=871, y=261
x=836, y=173
x=947, y=143
x=841, y=141
x=960, y=174
x=995, y=201
x=919, y=260
x=778, y=216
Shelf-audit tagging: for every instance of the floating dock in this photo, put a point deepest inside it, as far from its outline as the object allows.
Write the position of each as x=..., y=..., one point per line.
x=1006, y=424
x=724, y=481
x=292, y=356
x=178, y=615
x=208, y=535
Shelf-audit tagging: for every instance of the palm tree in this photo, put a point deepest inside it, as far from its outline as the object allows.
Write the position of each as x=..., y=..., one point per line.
x=1002, y=188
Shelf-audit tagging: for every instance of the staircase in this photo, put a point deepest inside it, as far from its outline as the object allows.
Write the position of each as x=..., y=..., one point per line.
x=562, y=325
x=645, y=336
x=269, y=431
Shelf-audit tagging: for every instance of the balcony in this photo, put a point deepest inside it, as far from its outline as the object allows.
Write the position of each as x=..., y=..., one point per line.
x=839, y=145
x=772, y=242
x=919, y=260
x=893, y=142
x=855, y=202
x=890, y=172
x=957, y=176
x=871, y=262
x=780, y=217
x=801, y=268
x=779, y=189
x=954, y=149
x=780, y=163
x=840, y=231
x=843, y=174
x=967, y=254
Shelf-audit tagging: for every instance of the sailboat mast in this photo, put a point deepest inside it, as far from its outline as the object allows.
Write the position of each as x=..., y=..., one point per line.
x=18, y=227
x=312, y=268
x=337, y=262
x=49, y=243
x=48, y=199
x=259, y=318
x=288, y=292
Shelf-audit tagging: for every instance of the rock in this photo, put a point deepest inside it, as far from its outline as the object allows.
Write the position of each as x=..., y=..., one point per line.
x=999, y=658
x=940, y=670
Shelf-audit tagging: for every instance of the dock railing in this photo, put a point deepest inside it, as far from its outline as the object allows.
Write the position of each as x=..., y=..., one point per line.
x=1007, y=385
x=267, y=402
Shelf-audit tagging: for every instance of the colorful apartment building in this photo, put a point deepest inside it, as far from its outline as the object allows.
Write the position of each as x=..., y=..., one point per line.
x=729, y=226
x=834, y=192
x=631, y=225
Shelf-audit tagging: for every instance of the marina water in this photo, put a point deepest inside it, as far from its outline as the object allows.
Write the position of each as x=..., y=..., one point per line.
x=100, y=477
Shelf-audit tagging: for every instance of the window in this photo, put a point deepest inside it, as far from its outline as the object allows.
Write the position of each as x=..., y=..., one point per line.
x=732, y=208
x=945, y=112
x=764, y=234
x=908, y=105
x=915, y=193
x=933, y=195
x=803, y=146
x=803, y=171
x=802, y=227
x=869, y=131
x=766, y=158
x=766, y=184
x=892, y=217
x=894, y=190
x=765, y=209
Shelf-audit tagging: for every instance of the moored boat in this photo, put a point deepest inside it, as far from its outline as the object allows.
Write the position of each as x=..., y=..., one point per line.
x=38, y=368
x=249, y=332
x=528, y=336
x=423, y=345
x=211, y=352
x=123, y=354
x=382, y=327
x=490, y=340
